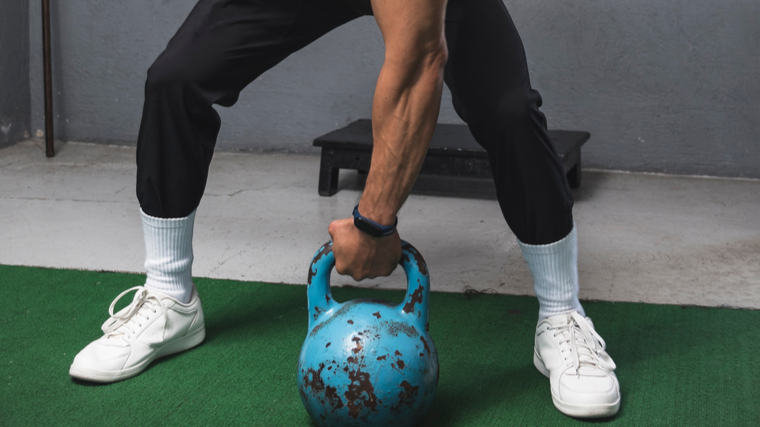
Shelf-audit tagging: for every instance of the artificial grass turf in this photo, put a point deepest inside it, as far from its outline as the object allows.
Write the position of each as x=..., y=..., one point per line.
x=677, y=365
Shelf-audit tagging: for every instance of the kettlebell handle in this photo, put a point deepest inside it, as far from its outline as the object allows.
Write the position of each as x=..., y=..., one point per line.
x=415, y=303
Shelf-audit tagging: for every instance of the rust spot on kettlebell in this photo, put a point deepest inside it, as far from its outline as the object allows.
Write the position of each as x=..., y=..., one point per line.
x=400, y=364
x=350, y=322
x=360, y=393
x=417, y=257
x=316, y=382
x=377, y=315
x=381, y=358
x=415, y=298
x=393, y=328
x=328, y=345
x=406, y=397
x=324, y=250
x=398, y=353
x=358, y=342
x=316, y=329
x=332, y=396
x=427, y=347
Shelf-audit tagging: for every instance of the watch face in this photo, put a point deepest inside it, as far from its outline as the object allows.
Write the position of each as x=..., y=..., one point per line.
x=370, y=229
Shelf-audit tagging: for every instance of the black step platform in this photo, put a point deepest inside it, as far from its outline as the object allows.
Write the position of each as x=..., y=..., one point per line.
x=453, y=152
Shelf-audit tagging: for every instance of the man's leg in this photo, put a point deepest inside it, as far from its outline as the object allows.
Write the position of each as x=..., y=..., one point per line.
x=222, y=46
x=488, y=76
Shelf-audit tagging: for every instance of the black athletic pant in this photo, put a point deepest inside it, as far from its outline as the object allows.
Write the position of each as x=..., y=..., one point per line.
x=225, y=44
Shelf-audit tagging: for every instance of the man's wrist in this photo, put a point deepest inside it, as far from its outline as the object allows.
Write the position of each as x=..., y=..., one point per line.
x=379, y=212
x=371, y=227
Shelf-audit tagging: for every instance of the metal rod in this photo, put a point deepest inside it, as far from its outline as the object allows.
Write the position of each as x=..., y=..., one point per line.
x=48, y=77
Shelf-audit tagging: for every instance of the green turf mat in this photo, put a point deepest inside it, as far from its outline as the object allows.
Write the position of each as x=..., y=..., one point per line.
x=676, y=365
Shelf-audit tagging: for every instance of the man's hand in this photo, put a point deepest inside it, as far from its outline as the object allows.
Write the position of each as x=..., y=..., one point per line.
x=360, y=255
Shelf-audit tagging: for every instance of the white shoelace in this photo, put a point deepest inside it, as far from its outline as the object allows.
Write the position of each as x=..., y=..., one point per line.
x=141, y=308
x=586, y=346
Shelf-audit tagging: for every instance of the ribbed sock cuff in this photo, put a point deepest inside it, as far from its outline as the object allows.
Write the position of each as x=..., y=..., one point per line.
x=555, y=275
x=169, y=255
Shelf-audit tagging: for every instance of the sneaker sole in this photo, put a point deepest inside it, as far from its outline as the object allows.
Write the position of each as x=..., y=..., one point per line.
x=578, y=411
x=177, y=346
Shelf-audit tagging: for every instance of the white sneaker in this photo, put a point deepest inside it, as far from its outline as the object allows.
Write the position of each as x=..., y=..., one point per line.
x=570, y=352
x=152, y=326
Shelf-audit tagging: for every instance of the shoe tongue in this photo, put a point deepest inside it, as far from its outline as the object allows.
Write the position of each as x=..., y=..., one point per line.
x=584, y=353
x=560, y=320
x=119, y=331
x=583, y=347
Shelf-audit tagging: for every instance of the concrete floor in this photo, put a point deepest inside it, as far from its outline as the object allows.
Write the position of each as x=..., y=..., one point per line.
x=650, y=238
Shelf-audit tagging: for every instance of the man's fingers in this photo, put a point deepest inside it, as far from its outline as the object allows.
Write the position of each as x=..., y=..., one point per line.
x=360, y=256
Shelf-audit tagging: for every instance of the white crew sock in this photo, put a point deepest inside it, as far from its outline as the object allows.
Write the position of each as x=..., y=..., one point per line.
x=169, y=255
x=555, y=275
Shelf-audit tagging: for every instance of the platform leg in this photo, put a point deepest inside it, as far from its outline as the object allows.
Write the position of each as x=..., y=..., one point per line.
x=328, y=175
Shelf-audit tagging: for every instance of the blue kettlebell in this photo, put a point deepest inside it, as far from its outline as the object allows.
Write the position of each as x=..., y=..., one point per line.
x=368, y=362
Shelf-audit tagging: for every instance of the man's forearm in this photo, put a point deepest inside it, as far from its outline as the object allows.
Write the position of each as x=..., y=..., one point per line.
x=404, y=113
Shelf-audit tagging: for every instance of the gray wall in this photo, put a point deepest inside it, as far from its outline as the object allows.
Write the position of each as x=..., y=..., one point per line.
x=15, y=104
x=662, y=86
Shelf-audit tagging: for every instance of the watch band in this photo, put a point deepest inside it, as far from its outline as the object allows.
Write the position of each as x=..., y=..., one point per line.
x=371, y=227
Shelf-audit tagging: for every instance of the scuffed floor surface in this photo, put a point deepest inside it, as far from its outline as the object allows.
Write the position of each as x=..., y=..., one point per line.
x=648, y=238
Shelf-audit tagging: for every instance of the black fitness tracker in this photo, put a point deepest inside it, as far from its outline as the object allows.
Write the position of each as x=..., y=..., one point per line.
x=371, y=227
